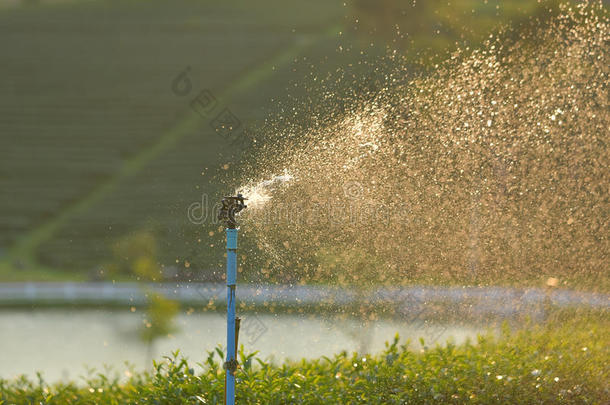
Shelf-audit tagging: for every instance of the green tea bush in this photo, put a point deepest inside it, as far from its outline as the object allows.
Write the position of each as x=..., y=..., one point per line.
x=563, y=361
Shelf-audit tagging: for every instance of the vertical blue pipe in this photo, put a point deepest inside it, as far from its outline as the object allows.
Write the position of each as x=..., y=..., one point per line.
x=231, y=282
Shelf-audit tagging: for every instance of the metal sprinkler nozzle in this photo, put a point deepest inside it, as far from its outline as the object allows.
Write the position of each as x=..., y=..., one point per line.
x=231, y=205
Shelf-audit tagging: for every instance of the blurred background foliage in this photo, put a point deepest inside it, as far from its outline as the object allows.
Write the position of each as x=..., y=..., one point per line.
x=158, y=322
x=428, y=30
x=100, y=158
x=135, y=254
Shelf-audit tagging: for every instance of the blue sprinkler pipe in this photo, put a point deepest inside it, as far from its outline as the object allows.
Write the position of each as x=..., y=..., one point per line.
x=230, y=207
x=231, y=364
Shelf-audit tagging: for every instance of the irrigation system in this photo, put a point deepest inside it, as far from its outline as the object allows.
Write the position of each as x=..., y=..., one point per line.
x=231, y=205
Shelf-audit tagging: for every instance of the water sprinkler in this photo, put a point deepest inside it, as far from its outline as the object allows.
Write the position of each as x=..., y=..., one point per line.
x=231, y=206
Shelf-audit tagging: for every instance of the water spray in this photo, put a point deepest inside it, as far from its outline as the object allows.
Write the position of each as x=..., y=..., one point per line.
x=231, y=205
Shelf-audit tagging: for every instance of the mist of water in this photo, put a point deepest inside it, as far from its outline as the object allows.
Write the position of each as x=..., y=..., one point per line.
x=493, y=169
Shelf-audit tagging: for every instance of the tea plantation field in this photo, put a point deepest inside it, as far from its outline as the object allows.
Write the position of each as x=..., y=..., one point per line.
x=95, y=141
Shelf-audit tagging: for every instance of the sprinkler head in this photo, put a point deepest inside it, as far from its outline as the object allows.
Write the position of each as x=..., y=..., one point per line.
x=231, y=205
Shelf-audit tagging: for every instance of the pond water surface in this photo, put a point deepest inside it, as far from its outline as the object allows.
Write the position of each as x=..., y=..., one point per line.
x=64, y=344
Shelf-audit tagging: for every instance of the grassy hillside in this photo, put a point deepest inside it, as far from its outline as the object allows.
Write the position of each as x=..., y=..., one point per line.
x=96, y=144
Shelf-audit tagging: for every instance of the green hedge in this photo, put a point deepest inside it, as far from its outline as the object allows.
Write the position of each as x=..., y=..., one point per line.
x=563, y=361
